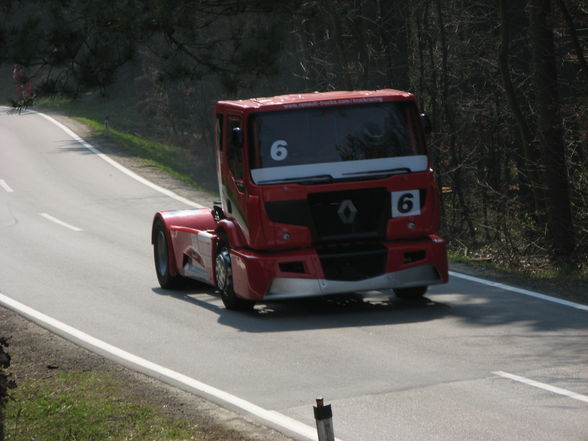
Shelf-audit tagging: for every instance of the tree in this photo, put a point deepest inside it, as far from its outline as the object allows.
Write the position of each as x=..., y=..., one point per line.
x=527, y=166
x=550, y=134
x=82, y=44
x=509, y=126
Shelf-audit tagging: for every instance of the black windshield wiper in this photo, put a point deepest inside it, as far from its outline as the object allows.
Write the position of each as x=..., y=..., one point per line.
x=392, y=171
x=302, y=180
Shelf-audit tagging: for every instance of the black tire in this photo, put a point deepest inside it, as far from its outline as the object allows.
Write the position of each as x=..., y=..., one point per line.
x=161, y=258
x=415, y=293
x=224, y=278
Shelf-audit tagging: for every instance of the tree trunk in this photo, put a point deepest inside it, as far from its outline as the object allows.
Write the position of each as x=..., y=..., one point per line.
x=527, y=171
x=550, y=135
x=574, y=35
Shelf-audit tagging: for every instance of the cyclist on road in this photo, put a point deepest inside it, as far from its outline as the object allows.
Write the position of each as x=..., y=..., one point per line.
x=24, y=88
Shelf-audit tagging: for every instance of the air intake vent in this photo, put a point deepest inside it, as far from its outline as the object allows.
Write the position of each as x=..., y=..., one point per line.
x=413, y=256
x=358, y=264
x=292, y=267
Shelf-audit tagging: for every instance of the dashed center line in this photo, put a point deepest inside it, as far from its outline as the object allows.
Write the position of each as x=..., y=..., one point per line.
x=60, y=222
x=5, y=186
x=544, y=386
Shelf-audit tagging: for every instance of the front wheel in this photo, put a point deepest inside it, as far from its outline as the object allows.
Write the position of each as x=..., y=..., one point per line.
x=161, y=257
x=414, y=293
x=224, y=279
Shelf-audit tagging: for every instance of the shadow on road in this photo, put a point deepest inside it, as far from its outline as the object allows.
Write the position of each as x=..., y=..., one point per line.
x=314, y=313
x=488, y=306
x=474, y=304
x=98, y=141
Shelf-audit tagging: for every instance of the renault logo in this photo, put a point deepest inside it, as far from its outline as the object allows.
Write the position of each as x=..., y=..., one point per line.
x=347, y=211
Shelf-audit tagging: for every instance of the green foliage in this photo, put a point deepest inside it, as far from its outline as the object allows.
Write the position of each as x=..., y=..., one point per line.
x=6, y=382
x=166, y=157
x=81, y=45
x=86, y=406
x=138, y=135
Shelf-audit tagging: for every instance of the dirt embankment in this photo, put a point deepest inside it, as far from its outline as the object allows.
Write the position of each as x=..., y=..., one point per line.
x=37, y=353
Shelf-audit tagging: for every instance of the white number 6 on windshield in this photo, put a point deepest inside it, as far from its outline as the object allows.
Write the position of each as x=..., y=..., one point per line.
x=278, y=150
x=406, y=203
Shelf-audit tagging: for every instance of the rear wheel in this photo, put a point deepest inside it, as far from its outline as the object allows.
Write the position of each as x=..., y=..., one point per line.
x=414, y=293
x=224, y=278
x=161, y=257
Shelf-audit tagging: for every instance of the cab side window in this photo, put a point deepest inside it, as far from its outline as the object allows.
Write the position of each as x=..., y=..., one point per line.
x=234, y=151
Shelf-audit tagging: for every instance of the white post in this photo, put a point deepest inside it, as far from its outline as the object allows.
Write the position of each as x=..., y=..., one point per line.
x=324, y=420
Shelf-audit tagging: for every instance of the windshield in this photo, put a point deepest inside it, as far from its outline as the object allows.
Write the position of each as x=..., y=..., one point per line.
x=336, y=142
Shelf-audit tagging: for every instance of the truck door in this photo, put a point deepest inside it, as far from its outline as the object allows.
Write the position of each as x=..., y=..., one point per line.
x=233, y=192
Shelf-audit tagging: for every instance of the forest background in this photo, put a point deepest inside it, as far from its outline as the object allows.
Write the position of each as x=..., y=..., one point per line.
x=504, y=82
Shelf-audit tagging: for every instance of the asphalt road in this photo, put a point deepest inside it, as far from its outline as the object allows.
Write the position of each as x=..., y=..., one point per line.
x=474, y=362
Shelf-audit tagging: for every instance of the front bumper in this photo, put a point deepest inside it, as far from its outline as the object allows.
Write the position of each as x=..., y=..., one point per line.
x=291, y=287
x=258, y=275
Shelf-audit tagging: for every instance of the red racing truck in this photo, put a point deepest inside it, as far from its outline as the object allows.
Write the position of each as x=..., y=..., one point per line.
x=320, y=194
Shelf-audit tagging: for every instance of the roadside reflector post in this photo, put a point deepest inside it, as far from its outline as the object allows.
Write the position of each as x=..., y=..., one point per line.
x=324, y=420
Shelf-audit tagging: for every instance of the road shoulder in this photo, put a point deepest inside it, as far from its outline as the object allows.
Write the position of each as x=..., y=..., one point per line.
x=571, y=290
x=38, y=353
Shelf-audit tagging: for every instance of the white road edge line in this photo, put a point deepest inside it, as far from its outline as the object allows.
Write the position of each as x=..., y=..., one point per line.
x=544, y=386
x=118, y=166
x=60, y=222
x=521, y=291
x=158, y=371
x=5, y=186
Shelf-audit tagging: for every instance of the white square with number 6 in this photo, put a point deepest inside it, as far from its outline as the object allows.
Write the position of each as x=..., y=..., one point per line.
x=406, y=203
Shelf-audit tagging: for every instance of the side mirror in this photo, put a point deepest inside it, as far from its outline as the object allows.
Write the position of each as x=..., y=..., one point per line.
x=237, y=137
x=426, y=123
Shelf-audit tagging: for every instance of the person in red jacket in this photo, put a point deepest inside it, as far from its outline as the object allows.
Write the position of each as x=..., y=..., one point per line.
x=22, y=83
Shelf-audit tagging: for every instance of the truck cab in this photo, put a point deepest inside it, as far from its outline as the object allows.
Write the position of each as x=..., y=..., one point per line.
x=320, y=194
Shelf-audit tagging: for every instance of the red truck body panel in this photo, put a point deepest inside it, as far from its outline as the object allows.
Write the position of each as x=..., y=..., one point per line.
x=300, y=228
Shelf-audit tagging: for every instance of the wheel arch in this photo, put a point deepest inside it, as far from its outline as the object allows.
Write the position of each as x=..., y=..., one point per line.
x=232, y=231
x=198, y=219
x=160, y=218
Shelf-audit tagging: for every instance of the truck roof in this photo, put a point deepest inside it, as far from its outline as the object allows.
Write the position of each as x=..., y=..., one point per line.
x=318, y=99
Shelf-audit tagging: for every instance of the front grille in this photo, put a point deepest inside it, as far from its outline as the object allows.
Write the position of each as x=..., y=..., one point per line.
x=347, y=228
x=351, y=215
